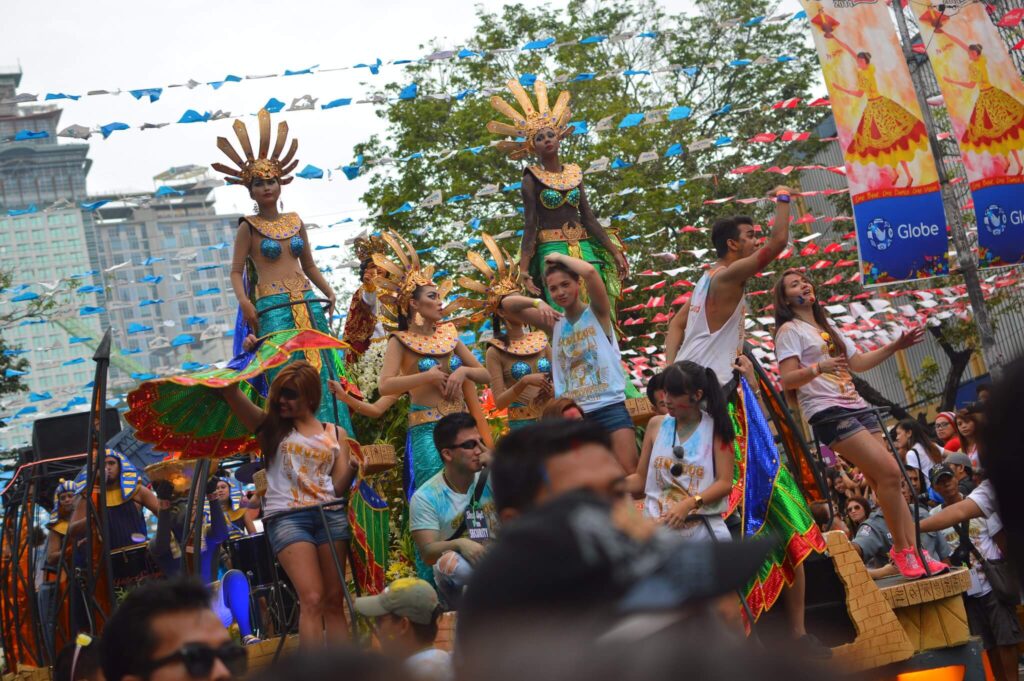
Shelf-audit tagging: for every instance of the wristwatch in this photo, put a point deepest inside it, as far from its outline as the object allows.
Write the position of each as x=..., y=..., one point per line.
x=698, y=501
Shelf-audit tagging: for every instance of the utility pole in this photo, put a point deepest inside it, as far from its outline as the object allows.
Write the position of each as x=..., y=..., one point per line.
x=968, y=263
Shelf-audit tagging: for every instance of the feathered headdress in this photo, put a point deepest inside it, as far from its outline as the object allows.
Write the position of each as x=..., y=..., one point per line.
x=398, y=280
x=262, y=166
x=366, y=246
x=497, y=282
x=526, y=123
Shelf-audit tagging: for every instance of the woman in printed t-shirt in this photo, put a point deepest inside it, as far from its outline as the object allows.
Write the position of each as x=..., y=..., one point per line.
x=308, y=464
x=816, y=360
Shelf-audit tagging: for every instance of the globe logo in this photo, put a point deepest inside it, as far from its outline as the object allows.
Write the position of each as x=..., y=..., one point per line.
x=880, y=234
x=995, y=220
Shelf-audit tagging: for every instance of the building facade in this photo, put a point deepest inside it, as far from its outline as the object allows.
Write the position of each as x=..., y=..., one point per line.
x=45, y=237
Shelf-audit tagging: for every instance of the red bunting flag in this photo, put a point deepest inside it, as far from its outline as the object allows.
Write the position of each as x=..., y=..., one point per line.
x=810, y=249
x=821, y=264
x=1011, y=18
x=682, y=283
x=834, y=280
x=833, y=248
x=791, y=136
x=661, y=317
x=764, y=137
x=781, y=171
x=821, y=101
x=806, y=219
x=787, y=103
x=655, y=286
x=681, y=300
x=845, y=263
x=743, y=170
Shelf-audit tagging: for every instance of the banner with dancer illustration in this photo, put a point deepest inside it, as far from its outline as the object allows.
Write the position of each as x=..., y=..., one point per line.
x=894, y=187
x=985, y=99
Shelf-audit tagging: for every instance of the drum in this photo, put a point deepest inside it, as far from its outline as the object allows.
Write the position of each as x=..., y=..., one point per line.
x=132, y=565
x=251, y=555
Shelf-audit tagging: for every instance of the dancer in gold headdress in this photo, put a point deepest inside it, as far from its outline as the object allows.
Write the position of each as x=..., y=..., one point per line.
x=558, y=216
x=273, y=267
x=425, y=357
x=519, y=361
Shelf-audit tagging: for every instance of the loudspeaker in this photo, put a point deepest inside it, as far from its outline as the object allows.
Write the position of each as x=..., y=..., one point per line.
x=68, y=434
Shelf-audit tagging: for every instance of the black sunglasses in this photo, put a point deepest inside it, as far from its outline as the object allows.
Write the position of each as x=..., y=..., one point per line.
x=468, y=444
x=289, y=393
x=198, y=659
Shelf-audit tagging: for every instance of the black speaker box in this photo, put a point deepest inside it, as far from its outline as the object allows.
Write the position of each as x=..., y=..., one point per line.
x=68, y=434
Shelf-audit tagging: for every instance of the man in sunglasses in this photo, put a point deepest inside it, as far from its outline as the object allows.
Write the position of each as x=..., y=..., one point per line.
x=452, y=515
x=166, y=631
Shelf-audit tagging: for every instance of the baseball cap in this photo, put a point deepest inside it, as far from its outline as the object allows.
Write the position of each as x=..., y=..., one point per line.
x=406, y=597
x=959, y=459
x=938, y=472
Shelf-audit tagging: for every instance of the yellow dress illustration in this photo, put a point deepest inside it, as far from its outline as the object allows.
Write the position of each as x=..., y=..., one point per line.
x=887, y=134
x=997, y=121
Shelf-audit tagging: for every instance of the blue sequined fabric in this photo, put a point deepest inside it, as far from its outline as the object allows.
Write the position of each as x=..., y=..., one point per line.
x=519, y=369
x=426, y=363
x=544, y=365
x=296, y=244
x=270, y=249
x=454, y=362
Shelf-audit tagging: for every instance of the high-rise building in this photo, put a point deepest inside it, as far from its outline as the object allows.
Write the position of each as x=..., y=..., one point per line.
x=44, y=237
x=165, y=258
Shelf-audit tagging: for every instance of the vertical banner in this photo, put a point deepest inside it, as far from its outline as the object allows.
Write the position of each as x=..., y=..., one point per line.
x=985, y=99
x=894, y=187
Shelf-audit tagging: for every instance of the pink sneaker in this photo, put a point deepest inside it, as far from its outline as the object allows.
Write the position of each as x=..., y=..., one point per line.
x=934, y=567
x=907, y=563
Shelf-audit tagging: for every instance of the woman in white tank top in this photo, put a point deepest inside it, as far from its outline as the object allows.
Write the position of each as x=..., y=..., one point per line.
x=308, y=464
x=686, y=465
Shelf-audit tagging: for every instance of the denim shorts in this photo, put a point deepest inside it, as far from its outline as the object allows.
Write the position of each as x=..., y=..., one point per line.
x=837, y=428
x=613, y=417
x=306, y=526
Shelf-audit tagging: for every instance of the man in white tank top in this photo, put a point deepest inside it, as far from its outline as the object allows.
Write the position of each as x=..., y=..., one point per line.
x=708, y=330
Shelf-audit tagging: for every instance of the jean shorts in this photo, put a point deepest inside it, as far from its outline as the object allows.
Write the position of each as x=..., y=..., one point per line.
x=838, y=428
x=613, y=417
x=306, y=526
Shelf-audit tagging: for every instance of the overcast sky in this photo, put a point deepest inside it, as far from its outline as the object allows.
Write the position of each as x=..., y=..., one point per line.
x=78, y=46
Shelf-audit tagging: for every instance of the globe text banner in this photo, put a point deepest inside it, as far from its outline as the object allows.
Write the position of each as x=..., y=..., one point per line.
x=985, y=99
x=894, y=188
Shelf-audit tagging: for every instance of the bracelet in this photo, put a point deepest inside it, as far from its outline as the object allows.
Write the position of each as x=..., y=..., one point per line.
x=536, y=303
x=782, y=198
x=817, y=369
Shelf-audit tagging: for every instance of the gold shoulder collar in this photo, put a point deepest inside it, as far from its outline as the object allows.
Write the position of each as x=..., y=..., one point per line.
x=570, y=177
x=285, y=226
x=60, y=527
x=530, y=344
x=442, y=342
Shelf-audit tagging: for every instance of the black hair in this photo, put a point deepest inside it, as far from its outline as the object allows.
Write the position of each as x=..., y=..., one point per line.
x=85, y=667
x=656, y=383
x=497, y=331
x=447, y=429
x=919, y=435
x=743, y=220
x=866, y=56
x=427, y=633
x=327, y=663
x=517, y=468
x=983, y=388
x=403, y=315
x=999, y=453
x=560, y=267
x=129, y=642
x=686, y=378
x=722, y=231
x=363, y=266
x=975, y=47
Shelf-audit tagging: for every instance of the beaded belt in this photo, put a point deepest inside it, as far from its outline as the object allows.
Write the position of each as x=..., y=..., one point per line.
x=294, y=284
x=528, y=413
x=421, y=416
x=567, y=232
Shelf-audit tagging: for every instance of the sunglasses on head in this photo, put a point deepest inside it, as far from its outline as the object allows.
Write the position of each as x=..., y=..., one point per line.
x=289, y=393
x=468, y=444
x=198, y=659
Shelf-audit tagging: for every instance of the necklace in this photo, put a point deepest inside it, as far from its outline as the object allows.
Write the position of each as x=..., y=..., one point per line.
x=444, y=476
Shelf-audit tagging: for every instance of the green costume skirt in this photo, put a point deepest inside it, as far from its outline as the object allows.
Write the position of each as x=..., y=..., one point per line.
x=306, y=315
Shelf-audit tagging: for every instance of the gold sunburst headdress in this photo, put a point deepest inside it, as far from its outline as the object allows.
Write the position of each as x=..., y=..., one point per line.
x=366, y=246
x=398, y=280
x=527, y=122
x=267, y=165
x=497, y=282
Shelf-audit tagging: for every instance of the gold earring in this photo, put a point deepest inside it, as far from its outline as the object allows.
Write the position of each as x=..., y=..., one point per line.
x=417, y=319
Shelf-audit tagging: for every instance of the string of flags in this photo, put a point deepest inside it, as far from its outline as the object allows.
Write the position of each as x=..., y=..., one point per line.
x=153, y=94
